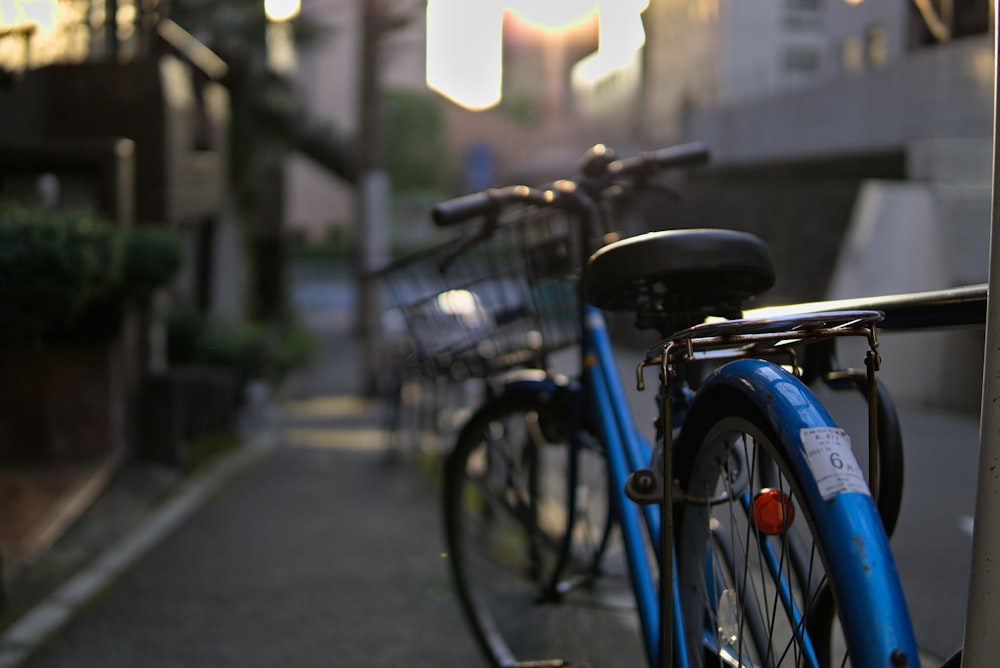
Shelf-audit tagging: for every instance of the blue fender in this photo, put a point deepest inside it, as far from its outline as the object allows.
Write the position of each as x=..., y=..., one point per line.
x=848, y=523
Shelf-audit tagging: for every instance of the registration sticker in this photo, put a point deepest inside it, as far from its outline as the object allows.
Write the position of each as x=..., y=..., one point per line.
x=832, y=462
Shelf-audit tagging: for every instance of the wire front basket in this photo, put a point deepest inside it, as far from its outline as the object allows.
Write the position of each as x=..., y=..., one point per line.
x=498, y=298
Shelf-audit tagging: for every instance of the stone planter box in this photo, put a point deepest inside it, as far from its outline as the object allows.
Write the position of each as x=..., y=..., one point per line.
x=63, y=402
x=181, y=405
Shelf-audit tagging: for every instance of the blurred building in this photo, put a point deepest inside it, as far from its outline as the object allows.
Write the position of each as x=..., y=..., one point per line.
x=326, y=76
x=546, y=119
x=793, y=78
x=856, y=137
x=110, y=106
x=830, y=123
x=328, y=79
x=87, y=78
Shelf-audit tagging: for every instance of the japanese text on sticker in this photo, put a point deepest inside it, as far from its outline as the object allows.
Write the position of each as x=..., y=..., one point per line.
x=832, y=462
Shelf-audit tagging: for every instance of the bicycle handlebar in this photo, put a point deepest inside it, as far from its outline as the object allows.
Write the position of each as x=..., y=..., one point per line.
x=649, y=163
x=486, y=202
x=595, y=182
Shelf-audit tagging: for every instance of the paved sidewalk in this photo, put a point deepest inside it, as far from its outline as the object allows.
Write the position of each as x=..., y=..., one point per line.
x=305, y=548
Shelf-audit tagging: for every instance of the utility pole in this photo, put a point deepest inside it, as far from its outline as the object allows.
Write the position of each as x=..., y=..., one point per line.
x=373, y=192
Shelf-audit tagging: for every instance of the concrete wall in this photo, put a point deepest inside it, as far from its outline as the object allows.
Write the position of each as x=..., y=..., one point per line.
x=327, y=77
x=896, y=243
x=945, y=92
x=931, y=231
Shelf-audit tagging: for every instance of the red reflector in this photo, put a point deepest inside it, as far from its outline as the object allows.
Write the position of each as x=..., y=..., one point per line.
x=773, y=512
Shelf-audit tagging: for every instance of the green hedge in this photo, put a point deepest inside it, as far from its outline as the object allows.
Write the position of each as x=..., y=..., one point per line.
x=69, y=275
x=267, y=351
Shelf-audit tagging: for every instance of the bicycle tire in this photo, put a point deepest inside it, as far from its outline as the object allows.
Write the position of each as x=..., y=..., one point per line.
x=505, y=516
x=754, y=428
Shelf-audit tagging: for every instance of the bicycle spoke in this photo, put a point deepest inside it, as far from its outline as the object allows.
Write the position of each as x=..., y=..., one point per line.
x=761, y=587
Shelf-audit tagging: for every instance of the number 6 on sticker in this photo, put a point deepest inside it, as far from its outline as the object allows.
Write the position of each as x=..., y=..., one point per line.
x=832, y=462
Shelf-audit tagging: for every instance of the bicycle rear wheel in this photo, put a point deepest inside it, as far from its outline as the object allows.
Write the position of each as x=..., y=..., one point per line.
x=538, y=571
x=782, y=557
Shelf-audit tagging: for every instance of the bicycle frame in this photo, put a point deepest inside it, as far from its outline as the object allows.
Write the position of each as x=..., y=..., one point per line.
x=601, y=393
x=627, y=450
x=646, y=520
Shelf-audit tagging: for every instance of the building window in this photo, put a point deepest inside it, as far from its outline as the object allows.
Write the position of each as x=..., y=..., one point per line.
x=804, y=15
x=876, y=47
x=851, y=55
x=803, y=22
x=801, y=59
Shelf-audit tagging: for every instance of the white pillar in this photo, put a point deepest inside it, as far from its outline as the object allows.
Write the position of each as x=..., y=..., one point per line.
x=983, y=612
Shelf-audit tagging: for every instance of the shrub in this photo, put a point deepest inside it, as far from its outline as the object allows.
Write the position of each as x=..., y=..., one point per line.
x=67, y=275
x=152, y=258
x=252, y=351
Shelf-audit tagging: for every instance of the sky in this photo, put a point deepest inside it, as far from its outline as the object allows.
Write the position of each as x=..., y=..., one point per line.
x=465, y=41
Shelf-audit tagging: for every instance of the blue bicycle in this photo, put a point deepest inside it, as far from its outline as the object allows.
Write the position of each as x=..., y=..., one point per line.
x=743, y=533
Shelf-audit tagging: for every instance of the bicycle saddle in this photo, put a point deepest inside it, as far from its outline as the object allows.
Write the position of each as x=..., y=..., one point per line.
x=676, y=278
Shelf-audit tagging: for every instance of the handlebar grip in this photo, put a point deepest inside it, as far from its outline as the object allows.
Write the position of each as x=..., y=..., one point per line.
x=486, y=202
x=462, y=208
x=684, y=155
